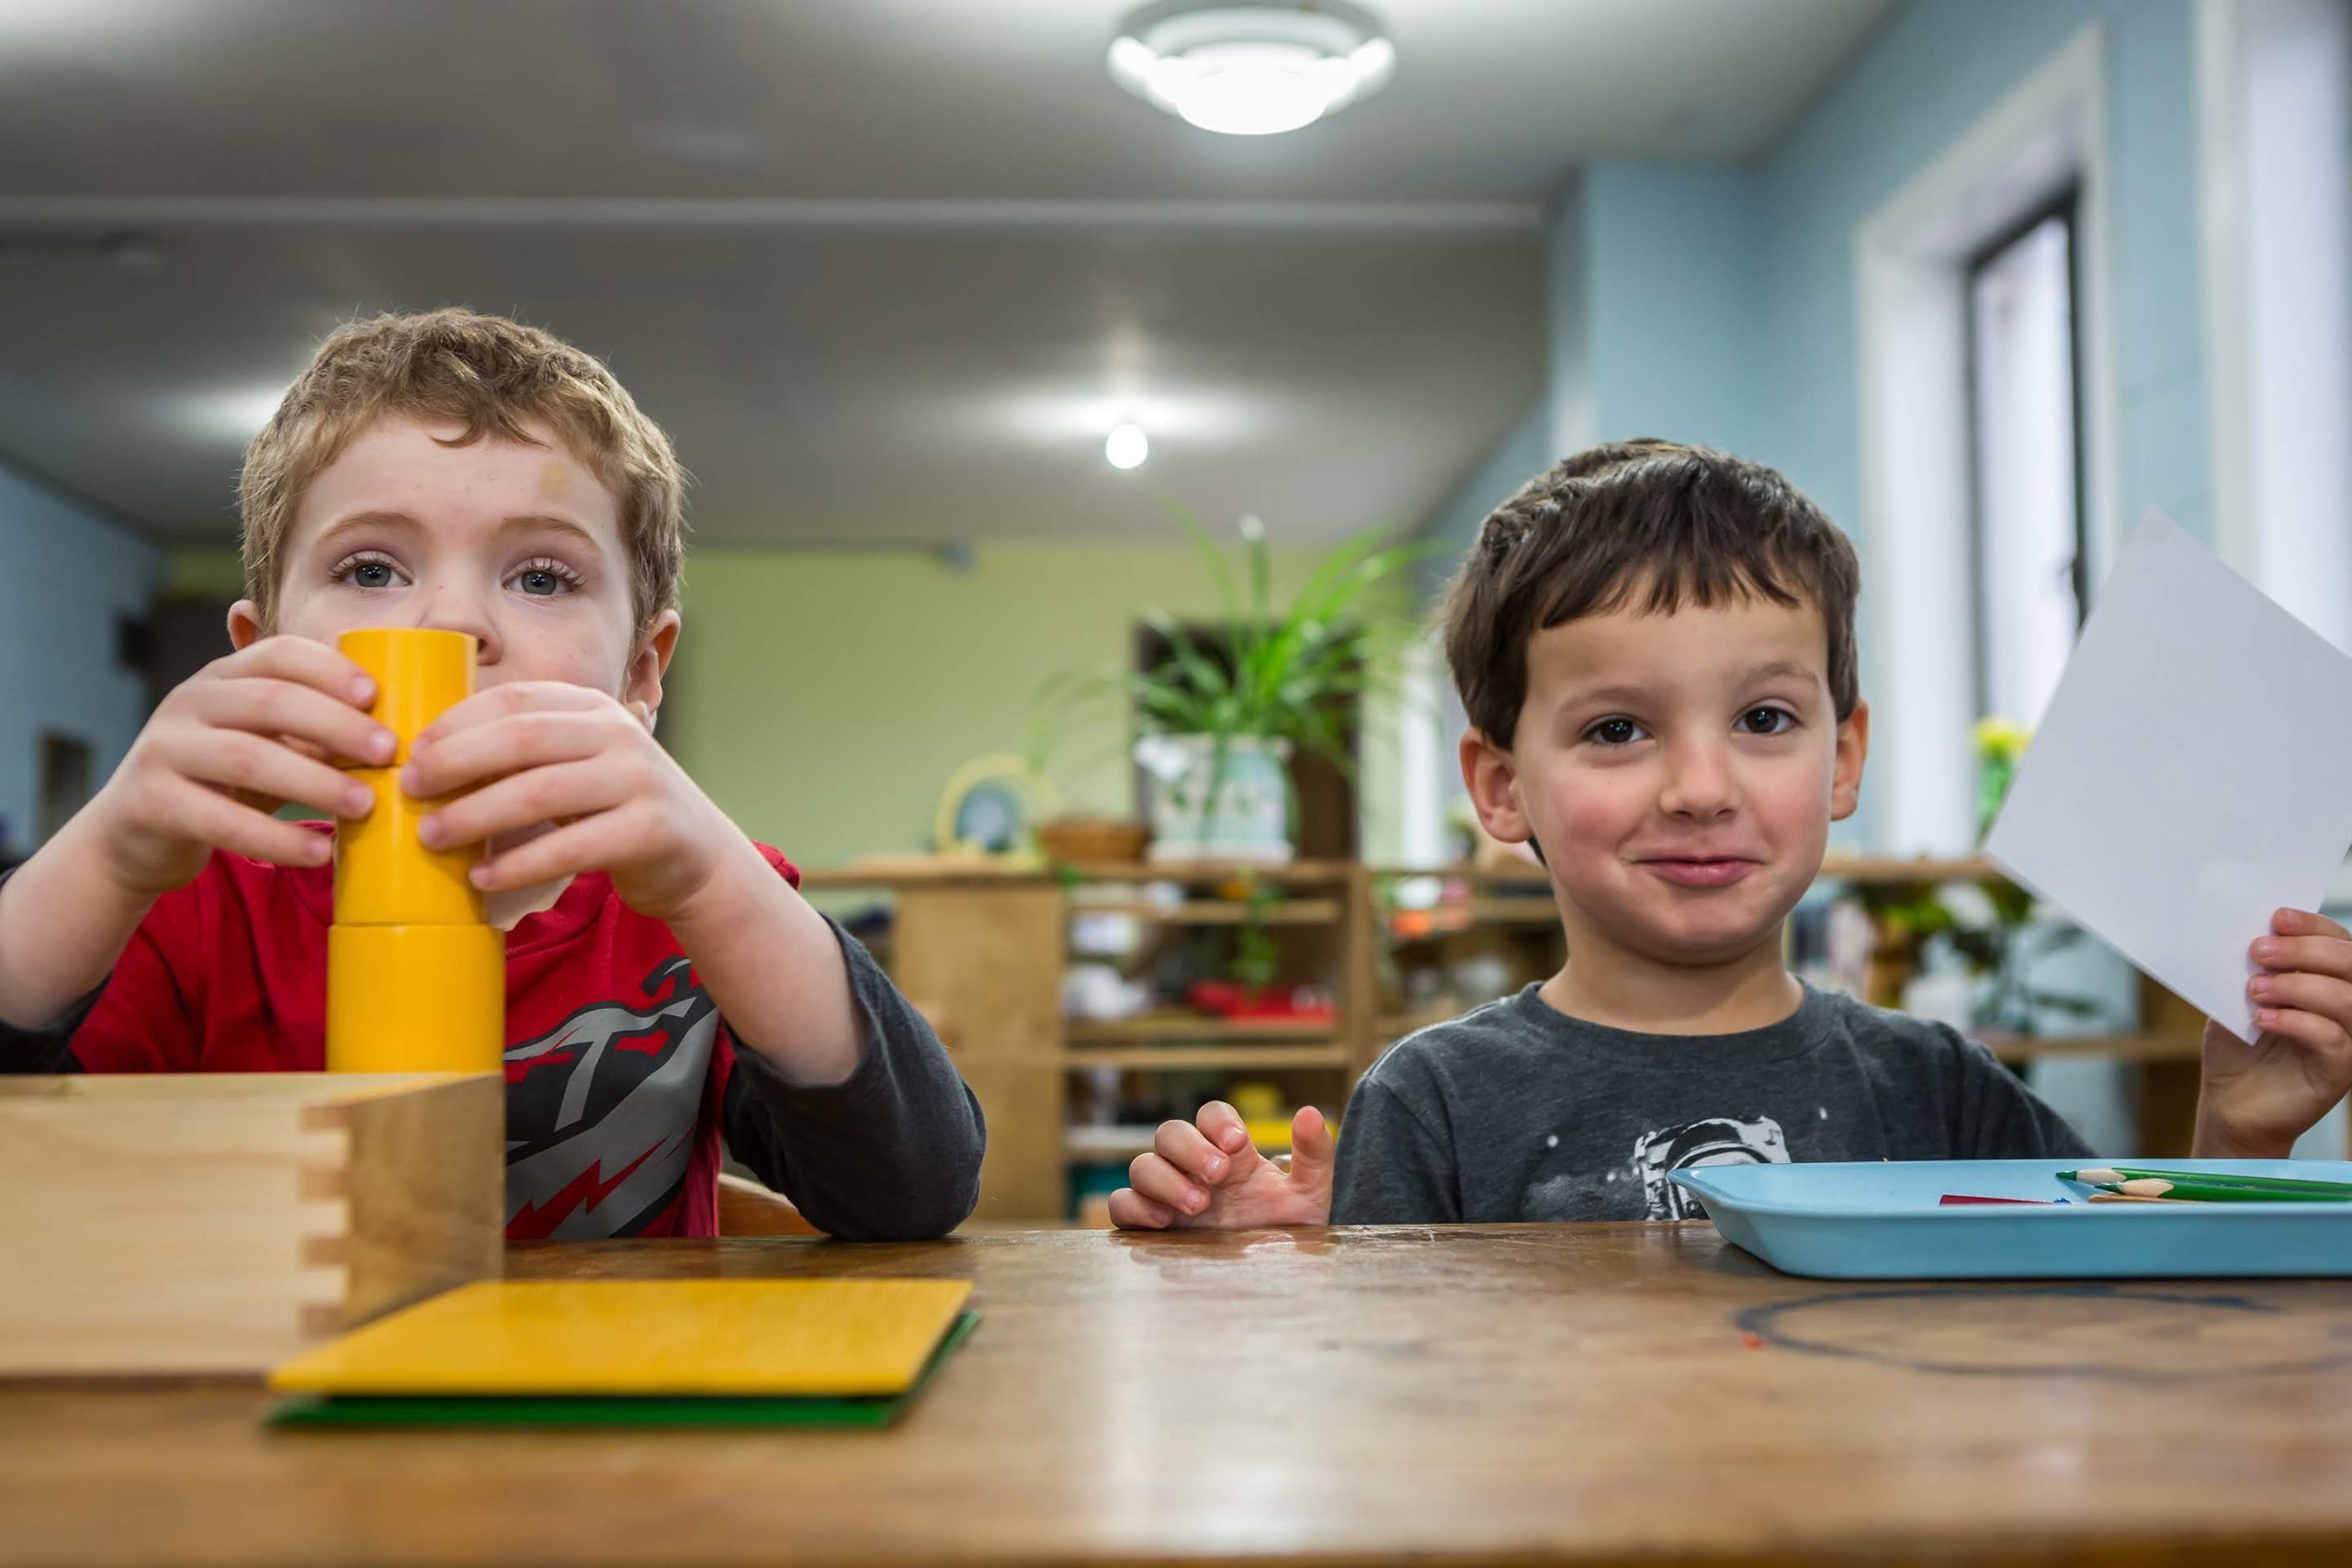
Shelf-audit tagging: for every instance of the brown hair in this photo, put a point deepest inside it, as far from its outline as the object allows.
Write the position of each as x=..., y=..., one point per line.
x=489, y=375
x=1646, y=523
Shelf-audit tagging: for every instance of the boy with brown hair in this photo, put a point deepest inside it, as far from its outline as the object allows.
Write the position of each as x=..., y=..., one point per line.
x=666, y=984
x=1655, y=646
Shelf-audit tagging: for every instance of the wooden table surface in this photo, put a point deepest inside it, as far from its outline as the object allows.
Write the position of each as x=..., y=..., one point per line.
x=1578, y=1392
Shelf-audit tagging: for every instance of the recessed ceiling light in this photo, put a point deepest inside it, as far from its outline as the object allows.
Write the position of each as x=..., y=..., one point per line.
x=1127, y=446
x=1251, y=67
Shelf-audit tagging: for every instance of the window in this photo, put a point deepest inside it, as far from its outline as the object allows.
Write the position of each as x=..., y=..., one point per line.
x=2030, y=554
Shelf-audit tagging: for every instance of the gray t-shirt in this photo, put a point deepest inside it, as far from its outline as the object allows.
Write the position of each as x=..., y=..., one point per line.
x=1517, y=1112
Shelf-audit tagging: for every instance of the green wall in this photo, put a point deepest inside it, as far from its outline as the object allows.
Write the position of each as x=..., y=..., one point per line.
x=824, y=699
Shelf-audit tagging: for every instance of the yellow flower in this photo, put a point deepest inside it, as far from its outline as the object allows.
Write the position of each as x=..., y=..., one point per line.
x=1997, y=737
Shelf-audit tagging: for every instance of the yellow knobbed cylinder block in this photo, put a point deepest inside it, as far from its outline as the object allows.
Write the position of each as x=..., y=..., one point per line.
x=419, y=675
x=416, y=998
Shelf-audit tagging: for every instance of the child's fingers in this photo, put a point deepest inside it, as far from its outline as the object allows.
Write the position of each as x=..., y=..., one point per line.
x=1181, y=1145
x=592, y=843
x=1312, y=1152
x=2305, y=922
x=236, y=759
x=550, y=793
x=2322, y=994
x=2315, y=1033
x=512, y=743
x=268, y=705
x=506, y=701
x=207, y=817
x=1153, y=1177
x=1221, y=1125
x=1130, y=1211
x=299, y=660
x=2311, y=954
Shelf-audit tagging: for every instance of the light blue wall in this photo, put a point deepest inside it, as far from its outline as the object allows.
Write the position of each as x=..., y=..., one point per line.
x=65, y=575
x=1516, y=460
x=1936, y=70
x=1717, y=303
x=1673, y=297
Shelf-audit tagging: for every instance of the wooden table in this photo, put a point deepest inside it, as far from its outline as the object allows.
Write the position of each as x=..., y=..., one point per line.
x=1581, y=1392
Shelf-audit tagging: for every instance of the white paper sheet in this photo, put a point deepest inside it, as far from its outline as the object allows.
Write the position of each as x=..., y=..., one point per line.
x=2193, y=774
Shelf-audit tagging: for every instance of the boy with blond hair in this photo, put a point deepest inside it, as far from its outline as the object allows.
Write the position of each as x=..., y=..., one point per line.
x=667, y=986
x=1655, y=646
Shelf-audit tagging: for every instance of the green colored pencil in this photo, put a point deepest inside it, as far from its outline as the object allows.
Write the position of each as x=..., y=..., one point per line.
x=2214, y=1192
x=2290, y=1187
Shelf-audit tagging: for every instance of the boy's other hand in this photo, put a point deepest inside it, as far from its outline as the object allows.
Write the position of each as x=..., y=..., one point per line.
x=523, y=756
x=225, y=748
x=2258, y=1098
x=1205, y=1173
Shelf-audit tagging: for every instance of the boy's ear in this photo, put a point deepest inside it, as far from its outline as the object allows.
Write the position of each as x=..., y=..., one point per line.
x=1493, y=782
x=245, y=625
x=641, y=682
x=1853, y=746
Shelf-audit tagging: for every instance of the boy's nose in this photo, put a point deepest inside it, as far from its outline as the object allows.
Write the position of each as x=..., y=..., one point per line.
x=454, y=610
x=1699, y=783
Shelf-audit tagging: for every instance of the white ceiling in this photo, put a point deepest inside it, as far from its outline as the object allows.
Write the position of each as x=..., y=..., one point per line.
x=885, y=268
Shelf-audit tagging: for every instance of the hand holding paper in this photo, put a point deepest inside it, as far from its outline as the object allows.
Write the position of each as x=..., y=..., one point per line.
x=2191, y=780
x=2257, y=1098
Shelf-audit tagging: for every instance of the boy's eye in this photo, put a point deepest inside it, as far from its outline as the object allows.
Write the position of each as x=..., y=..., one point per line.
x=1614, y=732
x=544, y=579
x=1766, y=721
x=366, y=572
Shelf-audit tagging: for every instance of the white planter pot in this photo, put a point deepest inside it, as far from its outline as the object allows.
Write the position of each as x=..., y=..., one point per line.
x=1249, y=817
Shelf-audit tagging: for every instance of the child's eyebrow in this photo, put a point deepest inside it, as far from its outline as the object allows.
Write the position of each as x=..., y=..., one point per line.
x=541, y=522
x=1579, y=695
x=1780, y=668
x=342, y=526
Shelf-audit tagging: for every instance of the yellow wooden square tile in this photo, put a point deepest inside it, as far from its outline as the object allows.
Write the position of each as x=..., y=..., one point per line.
x=672, y=1337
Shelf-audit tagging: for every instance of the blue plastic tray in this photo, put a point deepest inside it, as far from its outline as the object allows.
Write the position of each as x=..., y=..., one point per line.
x=1882, y=1220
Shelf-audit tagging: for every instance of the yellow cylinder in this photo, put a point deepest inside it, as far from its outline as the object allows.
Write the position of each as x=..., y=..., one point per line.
x=416, y=980
x=416, y=998
x=385, y=876
x=419, y=675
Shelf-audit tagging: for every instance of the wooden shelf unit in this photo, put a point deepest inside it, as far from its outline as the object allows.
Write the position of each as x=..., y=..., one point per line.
x=988, y=948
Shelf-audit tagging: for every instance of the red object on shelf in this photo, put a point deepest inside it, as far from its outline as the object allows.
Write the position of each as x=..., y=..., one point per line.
x=1227, y=998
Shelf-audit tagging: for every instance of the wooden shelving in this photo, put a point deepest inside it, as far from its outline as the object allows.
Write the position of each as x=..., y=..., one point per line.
x=1188, y=1027
x=1217, y=911
x=1209, y=1058
x=2107, y=1047
x=1393, y=1026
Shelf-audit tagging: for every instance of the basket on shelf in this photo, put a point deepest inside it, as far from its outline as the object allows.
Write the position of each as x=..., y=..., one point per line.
x=1108, y=839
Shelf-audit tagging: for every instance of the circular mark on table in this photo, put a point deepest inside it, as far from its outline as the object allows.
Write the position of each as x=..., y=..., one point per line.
x=2093, y=1331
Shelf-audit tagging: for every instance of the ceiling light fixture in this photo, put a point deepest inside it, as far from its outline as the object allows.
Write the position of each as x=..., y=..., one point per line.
x=1127, y=446
x=1251, y=67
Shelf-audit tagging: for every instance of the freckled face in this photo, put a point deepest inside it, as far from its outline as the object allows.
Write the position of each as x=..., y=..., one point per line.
x=518, y=544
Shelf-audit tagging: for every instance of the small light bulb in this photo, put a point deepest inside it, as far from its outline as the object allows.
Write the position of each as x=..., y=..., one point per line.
x=1127, y=446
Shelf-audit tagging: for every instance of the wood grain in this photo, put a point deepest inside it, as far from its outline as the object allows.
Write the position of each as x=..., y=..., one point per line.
x=992, y=959
x=1581, y=1394
x=217, y=1223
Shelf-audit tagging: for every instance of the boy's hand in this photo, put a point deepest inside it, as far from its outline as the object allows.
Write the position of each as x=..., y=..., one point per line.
x=535, y=752
x=1206, y=1173
x=224, y=750
x=2258, y=1098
